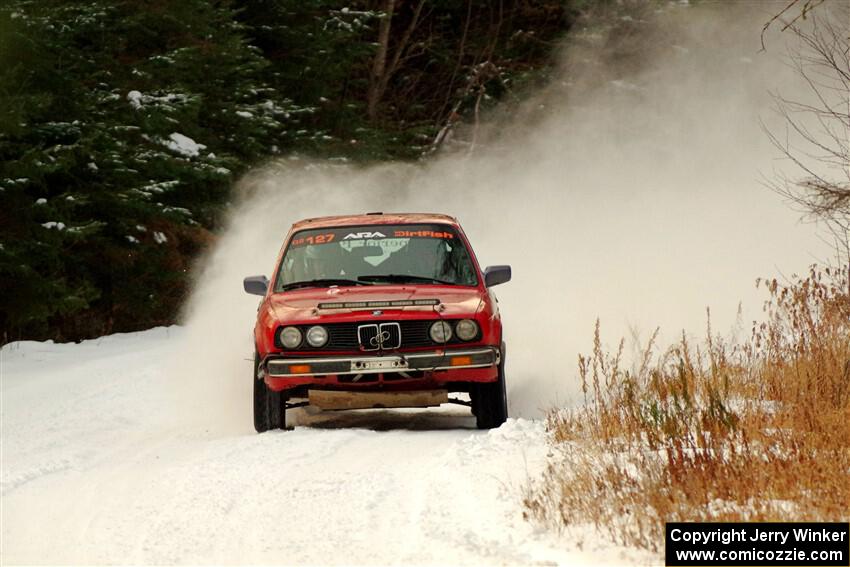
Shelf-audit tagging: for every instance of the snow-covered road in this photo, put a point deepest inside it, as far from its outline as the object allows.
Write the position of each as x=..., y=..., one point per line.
x=103, y=463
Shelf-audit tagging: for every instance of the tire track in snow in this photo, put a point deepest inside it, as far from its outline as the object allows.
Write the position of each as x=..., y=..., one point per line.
x=97, y=470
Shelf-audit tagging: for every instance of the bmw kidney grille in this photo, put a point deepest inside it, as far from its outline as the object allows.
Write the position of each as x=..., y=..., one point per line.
x=386, y=336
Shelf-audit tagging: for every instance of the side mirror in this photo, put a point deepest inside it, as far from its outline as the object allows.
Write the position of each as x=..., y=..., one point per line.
x=256, y=285
x=495, y=275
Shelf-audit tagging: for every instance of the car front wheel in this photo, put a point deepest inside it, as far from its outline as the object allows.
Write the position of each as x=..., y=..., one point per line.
x=269, y=406
x=490, y=400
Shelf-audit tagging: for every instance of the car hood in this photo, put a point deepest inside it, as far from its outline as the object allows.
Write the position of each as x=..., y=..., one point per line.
x=303, y=304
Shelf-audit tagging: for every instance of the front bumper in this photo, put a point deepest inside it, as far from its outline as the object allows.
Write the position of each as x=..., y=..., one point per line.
x=429, y=361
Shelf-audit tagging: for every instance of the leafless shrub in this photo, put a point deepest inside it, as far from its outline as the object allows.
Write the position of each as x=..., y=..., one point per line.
x=716, y=431
x=816, y=136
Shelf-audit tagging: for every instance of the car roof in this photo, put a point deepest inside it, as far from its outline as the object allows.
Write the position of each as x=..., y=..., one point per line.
x=375, y=218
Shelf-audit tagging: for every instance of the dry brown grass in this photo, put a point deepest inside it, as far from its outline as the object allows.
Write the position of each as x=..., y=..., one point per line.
x=758, y=430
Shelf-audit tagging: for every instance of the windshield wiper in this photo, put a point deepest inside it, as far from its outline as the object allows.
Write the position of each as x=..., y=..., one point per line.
x=402, y=278
x=322, y=282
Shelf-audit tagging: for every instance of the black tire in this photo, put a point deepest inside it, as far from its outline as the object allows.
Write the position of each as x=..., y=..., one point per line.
x=269, y=406
x=490, y=400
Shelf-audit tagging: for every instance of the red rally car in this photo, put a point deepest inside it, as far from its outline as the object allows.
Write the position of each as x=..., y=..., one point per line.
x=378, y=311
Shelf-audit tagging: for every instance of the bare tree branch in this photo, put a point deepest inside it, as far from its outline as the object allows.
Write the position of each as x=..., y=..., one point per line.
x=381, y=71
x=379, y=64
x=816, y=137
x=808, y=5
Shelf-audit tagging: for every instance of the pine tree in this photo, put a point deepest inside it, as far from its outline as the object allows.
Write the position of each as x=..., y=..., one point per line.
x=123, y=126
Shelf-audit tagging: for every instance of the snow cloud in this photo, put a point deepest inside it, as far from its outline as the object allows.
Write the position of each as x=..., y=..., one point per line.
x=629, y=194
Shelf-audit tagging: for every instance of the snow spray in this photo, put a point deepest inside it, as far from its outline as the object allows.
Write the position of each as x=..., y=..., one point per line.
x=633, y=194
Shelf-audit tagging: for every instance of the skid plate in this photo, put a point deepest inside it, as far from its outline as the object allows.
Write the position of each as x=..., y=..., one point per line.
x=335, y=400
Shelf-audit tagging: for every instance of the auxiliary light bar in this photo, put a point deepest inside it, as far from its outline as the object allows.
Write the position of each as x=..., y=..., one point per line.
x=373, y=304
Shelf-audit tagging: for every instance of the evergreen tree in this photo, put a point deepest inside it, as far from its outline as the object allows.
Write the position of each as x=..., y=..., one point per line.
x=123, y=126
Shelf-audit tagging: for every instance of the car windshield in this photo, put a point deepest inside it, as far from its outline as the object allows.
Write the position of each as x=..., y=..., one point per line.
x=376, y=255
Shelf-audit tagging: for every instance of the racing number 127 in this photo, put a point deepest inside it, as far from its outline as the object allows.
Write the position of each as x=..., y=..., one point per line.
x=318, y=239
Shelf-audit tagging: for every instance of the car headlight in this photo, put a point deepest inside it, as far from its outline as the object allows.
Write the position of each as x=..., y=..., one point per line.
x=466, y=329
x=317, y=336
x=441, y=332
x=290, y=337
